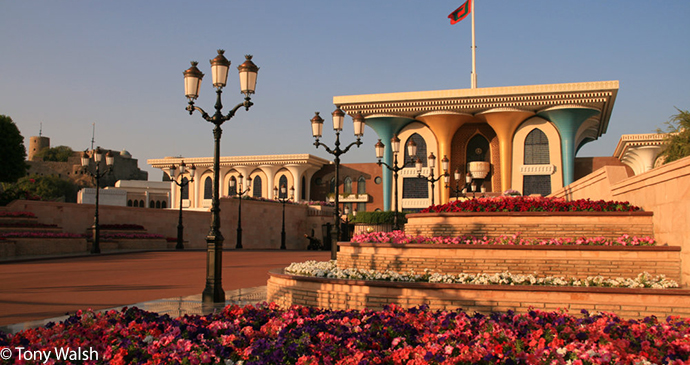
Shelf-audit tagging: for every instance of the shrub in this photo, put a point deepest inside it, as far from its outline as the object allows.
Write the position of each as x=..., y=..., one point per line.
x=377, y=218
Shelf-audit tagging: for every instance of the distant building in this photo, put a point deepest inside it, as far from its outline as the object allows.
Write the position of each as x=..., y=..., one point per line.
x=130, y=193
x=124, y=168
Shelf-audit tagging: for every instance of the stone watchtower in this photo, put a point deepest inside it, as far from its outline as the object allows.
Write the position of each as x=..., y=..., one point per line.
x=36, y=144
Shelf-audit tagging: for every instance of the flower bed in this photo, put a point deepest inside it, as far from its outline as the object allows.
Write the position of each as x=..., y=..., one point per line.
x=624, y=256
x=530, y=204
x=289, y=289
x=266, y=334
x=531, y=225
x=132, y=227
x=4, y=214
x=33, y=234
x=131, y=236
x=329, y=269
x=400, y=238
x=26, y=225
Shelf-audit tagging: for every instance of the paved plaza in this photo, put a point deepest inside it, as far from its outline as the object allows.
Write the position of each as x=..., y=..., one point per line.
x=40, y=289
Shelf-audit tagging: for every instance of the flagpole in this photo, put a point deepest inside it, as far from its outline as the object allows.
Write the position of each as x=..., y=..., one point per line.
x=474, y=51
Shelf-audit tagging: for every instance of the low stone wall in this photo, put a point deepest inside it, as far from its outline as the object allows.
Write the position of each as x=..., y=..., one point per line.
x=261, y=221
x=18, y=247
x=287, y=290
x=531, y=224
x=109, y=245
x=565, y=261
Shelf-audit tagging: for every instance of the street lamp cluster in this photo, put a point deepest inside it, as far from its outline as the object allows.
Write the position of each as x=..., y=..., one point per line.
x=213, y=292
x=317, y=129
x=174, y=174
x=97, y=156
x=470, y=185
x=414, y=159
x=239, y=192
x=395, y=148
x=283, y=198
x=432, y=164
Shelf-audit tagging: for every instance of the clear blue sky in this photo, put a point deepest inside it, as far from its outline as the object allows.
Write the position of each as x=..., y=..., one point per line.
x=68, y=64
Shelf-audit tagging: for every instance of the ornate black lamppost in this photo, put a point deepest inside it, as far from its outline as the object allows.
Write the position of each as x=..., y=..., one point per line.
x=182, y=184
x=317, y=129
x=346, y=211
x=459, y=192
x=395, y=147
x=213, y=293
x=283, y=192
x=240, y=193
x=432, y=164
x=85, y=161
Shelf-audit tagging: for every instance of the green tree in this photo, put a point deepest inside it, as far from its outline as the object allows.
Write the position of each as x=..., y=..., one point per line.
x=56, y=154
x=12, y=151
x=48, y=188
x=678, y=139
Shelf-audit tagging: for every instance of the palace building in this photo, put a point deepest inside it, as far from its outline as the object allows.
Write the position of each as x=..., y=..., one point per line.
x=520, y=137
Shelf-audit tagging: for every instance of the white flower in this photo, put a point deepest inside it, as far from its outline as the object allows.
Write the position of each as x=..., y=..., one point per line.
x=329, y=269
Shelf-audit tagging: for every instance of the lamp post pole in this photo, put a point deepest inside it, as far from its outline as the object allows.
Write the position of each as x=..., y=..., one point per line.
x=213, y=292
x=85, y=161
x=395, y=147
x=182, y=184
x=283, y=191
x=317, y=129
x=240, y=193
x=432, y=164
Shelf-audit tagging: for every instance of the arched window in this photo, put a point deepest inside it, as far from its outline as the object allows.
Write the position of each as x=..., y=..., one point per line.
x=361, y=190
x=256, y=187
x=208, y=188
x=536, y=148
x=232, y=190
x=185, y=188
x=164, y=204
x=136, y=203
x=158, y=204
x=347, y=185
x=421, y=149
x=141, y=204
x=282, y=181
x=129, y=203
x=477, y=149
x=152, y=204
x=536, y=153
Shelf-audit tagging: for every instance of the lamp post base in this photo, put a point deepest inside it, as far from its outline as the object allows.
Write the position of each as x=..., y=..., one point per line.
x=213, y=293
x=180, y=240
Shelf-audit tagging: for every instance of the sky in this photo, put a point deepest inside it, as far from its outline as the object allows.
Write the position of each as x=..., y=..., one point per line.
x=68, y=64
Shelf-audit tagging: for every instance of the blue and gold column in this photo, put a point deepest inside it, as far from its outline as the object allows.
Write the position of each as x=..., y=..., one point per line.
x=568, y=120
x=386, y=128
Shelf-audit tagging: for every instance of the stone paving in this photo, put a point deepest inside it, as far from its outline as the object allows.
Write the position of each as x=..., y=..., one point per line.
x=34, y=291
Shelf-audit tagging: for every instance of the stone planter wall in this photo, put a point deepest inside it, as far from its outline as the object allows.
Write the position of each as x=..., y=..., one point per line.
x=43, y=246
x=131, y=244
x=531, y=224
x=565, y=261
x=287, y=290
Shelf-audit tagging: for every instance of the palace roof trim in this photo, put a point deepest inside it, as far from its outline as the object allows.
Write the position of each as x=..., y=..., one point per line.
x=258, y=160
x=599, y=95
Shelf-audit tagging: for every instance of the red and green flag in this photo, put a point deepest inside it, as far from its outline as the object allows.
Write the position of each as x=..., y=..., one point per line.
x=461, y=12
